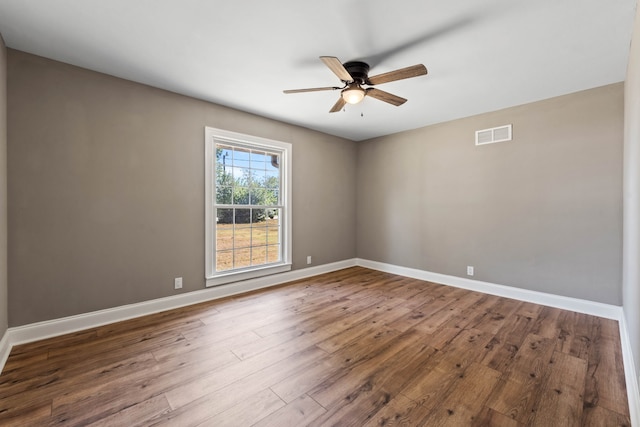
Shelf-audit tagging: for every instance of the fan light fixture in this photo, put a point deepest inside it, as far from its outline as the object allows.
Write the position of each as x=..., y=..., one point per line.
x=353, y=94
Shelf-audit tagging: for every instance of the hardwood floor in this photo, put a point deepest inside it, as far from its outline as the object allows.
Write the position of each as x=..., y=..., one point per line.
x=354, y=347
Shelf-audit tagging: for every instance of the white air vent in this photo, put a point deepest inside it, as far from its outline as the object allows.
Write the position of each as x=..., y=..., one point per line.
x=489, y=136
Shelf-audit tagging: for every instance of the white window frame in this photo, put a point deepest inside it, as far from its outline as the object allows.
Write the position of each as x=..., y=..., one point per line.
x=213, y=136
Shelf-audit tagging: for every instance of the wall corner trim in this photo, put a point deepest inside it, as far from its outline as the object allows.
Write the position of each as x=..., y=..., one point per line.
x=5, y=349
x=630, y=374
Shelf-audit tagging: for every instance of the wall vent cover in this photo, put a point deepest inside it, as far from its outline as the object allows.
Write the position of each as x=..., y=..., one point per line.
x=489, y=136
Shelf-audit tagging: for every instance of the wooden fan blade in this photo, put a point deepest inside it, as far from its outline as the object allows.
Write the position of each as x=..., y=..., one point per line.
x=403, y=73
x=338, y=69
x=385, y=96
x=312, y=89
x=338, y=105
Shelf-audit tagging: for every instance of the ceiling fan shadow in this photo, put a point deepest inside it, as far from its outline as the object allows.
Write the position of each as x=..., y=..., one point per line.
x=430, y=35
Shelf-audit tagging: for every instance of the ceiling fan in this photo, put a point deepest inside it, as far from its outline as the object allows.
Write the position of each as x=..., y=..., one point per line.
x=355, y=75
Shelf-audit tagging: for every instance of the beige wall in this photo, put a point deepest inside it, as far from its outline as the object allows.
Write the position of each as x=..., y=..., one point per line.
x=106, y=189
x=4, y=309
x=631, y=268
x=542, y=212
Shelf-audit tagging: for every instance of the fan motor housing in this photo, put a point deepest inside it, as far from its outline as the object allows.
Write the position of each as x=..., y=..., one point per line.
x=358, y=70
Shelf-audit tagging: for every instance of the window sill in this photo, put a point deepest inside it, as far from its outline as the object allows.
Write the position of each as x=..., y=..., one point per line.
x=224, y=278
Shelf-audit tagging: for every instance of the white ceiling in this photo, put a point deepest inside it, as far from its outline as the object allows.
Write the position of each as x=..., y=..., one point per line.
x=482, y=55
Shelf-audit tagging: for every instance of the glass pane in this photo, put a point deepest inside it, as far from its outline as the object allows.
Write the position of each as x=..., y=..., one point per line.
x=224, y=216
x=272, y=214
x=251, y=177
x=242, y=216
x=224, y=260
x=223, y=165
x=224, y=236
x=241, y=195
x=271, y=197
x=273, y=253
x=273, y=235
x=242, y=258
x=258, y=179
x=223, y=195
x=259, y=160
x=224, y=154
x=257, y=196
x=242, y=175
x=258, y=236
x=224, y=176
x=272, y=179
x=257, y=215
x=241, y=158
x=242, y=236
x=259, y=255
x=273, y=164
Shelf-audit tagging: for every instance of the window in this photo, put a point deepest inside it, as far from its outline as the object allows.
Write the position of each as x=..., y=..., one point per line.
x=248, y=218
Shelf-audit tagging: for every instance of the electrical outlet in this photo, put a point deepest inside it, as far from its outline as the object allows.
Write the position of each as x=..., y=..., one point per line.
x=469, y=270
x=177, y=283
x=309, y=259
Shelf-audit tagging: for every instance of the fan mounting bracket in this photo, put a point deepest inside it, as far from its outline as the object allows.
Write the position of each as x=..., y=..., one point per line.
x=358, y=70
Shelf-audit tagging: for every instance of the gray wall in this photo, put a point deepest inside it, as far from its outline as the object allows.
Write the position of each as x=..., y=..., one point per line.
x=542, y=212
x=4, y=309
x=106, y=189
x=631, y=264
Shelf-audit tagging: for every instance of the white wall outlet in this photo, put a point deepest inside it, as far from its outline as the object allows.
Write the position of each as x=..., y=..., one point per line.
x=469, y=270
x=177, y=283
x=308, y=259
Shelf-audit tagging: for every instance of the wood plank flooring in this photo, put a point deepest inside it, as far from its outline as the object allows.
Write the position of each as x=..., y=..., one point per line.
x=355, y=347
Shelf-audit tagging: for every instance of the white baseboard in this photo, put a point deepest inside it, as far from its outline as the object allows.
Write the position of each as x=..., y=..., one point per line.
x=47, y=329
x=566, y=303
x=51, y=328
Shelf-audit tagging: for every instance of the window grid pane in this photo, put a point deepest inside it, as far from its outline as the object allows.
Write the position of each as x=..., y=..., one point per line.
x=249, y=235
